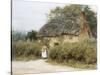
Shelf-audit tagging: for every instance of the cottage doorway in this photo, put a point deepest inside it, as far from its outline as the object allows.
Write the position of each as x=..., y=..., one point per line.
x=44, y=52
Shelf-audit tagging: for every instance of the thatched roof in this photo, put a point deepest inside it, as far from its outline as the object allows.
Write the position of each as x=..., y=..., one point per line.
x=61, y=25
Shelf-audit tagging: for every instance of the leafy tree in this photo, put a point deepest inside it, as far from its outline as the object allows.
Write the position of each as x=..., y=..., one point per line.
x=31, y=35
x=58, y=11
x=92, y=20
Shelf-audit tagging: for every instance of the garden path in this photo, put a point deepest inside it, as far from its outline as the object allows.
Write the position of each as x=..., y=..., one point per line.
x=38, y=66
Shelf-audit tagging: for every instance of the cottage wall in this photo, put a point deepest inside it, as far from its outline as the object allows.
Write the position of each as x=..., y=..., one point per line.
x=53, y=41
x=70, y=38
x=61, y=39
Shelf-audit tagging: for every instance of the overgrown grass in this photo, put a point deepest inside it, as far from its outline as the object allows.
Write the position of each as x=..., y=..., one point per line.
x=25, y=50
x=82, y=53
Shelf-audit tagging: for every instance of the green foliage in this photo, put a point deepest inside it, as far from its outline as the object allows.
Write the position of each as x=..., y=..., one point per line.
x=32, y=35
x=54, y=52
x=92, y=20
x=25, y=49
x=84, y=51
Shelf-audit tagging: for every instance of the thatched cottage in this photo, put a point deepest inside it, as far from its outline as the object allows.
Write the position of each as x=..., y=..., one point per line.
x=66, y=29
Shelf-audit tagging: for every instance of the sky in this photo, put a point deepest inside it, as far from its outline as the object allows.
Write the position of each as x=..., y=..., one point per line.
x=29, y=15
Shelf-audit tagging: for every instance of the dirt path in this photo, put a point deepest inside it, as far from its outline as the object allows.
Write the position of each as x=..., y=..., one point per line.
x=37, y=66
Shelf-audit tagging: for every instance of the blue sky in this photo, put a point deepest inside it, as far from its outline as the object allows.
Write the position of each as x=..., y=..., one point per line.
x=28, y=15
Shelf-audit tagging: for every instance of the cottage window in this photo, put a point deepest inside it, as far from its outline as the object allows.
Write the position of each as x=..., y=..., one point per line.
x=56, y=43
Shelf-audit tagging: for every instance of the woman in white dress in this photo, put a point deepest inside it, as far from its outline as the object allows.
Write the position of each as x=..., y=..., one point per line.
x=44, y=52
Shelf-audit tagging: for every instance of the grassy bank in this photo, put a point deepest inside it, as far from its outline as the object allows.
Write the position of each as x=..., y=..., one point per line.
x=74, y=64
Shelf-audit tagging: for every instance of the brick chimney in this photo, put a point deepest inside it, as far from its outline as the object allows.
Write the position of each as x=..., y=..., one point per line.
x=85, y=29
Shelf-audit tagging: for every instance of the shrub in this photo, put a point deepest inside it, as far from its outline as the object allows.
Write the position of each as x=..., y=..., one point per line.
x=90, y=55
x=53, y=53
x=84, y=51
x=25, y=49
